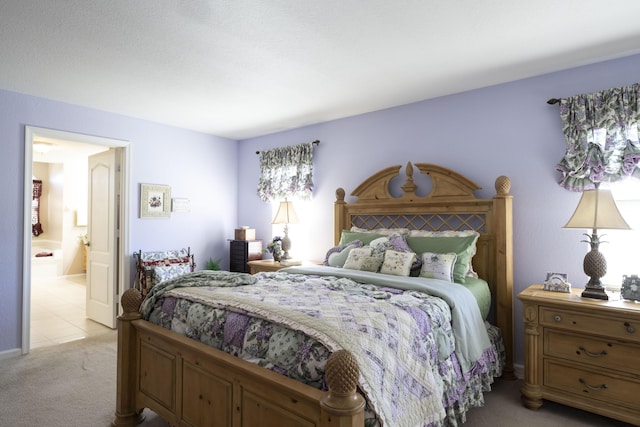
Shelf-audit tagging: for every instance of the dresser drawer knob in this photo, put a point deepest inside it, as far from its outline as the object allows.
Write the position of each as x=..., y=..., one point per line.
x=630, y=328
x=557, y=318
x=588, y=353
x=589, y=386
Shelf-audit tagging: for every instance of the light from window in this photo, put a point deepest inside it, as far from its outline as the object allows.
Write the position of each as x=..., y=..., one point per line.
x=621, y=249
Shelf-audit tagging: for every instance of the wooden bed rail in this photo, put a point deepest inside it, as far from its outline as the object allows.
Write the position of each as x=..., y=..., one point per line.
x=189, y=383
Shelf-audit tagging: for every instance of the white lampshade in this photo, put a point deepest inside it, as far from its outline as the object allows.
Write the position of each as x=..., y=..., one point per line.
x=286, y=214
x=597, y=210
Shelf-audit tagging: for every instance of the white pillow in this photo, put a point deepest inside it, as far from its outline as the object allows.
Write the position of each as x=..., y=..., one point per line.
x=397, y=263
x=362, y=259
x=438, y=266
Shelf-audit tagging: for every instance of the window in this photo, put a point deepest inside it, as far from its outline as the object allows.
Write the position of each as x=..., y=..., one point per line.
x=622, y=247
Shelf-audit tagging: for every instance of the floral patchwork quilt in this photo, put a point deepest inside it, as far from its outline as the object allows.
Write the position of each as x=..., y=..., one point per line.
x=291, y=322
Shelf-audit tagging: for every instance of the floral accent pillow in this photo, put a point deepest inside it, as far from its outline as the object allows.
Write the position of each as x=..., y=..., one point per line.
x=438, y=266
x=395, y=242
x=397, y=263
x=363, y=259
x=337, y=256
x=164, y=273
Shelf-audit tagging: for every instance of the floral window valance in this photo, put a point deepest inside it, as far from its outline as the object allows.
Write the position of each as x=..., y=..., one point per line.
x=601, y=132
x=286, y=172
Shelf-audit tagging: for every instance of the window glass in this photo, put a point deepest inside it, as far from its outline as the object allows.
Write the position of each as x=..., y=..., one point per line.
x=621, y=248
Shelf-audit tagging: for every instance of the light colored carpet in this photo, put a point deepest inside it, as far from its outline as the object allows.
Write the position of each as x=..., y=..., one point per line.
x=73, y=385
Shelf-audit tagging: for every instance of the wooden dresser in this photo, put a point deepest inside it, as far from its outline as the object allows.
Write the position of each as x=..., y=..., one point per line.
x=581, y=352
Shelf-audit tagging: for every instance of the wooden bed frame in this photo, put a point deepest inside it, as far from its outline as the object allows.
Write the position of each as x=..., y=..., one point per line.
x=190, y=384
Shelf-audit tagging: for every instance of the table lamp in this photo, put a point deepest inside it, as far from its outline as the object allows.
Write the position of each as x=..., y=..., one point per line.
x=596, y=210
x=286, y=215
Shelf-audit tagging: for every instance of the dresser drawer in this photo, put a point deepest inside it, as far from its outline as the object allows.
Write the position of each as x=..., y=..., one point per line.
x=591, y=386
x=596, y=325
x=608, y=354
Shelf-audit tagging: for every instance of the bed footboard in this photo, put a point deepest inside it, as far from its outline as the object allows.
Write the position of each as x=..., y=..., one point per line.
x=190, y=384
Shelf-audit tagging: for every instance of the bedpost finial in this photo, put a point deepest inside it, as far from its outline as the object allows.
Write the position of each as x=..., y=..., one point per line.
x=131, y=301
x=503, y=185
x=340, y=194
x=343, y=372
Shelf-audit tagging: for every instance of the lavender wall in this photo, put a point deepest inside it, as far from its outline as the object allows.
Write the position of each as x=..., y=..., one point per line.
x=197, y=166
x=506, y=129
x=502, y=130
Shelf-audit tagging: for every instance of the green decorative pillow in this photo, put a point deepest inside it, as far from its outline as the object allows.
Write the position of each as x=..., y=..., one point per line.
x=383, y=231
x=449, y=233
x=438, y=266
x=365, y=238
x=463, y=246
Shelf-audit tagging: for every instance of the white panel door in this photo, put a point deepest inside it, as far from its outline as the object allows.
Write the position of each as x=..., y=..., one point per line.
x=102, y=231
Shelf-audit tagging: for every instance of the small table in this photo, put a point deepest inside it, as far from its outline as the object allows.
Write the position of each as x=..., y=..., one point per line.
x=258, y=266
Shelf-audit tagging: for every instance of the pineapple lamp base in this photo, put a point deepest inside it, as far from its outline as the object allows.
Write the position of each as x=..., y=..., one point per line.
x=595, y=266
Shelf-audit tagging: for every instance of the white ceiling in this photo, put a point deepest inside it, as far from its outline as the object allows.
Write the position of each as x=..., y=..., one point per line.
x=243, y=68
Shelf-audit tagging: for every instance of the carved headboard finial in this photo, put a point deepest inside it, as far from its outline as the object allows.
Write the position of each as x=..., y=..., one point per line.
x=409, y=186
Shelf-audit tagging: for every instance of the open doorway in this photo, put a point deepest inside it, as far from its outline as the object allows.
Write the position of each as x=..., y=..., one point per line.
x=57, y=284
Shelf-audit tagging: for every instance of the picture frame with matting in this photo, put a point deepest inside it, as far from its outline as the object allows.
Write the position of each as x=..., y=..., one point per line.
x=155, y=201
x=630, y=289
x=557, y=282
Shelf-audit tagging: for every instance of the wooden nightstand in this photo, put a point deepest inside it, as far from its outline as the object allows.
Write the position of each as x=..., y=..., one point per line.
x=581, y=352
x=271, y=265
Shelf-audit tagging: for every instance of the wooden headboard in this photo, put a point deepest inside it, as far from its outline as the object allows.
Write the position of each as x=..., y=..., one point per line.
x=450, y=205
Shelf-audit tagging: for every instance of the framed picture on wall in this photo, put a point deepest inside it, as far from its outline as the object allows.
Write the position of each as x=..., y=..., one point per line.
x=155, y=201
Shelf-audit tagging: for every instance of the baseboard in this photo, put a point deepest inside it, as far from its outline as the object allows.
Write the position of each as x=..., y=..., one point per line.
x=7, y=354
x=73, y=276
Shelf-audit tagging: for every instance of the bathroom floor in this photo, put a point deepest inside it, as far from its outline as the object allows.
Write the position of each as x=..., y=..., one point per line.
x=58, y=311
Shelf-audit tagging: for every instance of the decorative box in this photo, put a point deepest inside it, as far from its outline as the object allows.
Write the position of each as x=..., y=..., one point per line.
x=630, y=288
x=245, y=233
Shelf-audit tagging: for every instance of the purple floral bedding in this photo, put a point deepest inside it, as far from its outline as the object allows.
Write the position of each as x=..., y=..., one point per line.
x=298, y=355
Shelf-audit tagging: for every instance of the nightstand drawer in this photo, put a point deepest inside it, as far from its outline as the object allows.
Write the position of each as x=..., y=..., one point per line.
x=609, y=354
x=595, y=325
x=591, y=386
